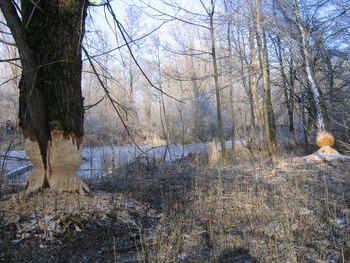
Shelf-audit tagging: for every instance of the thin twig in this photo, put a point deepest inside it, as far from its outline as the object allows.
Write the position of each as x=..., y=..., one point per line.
x=120, y=27
x=88, y=107
x=113, y=102
x=9, y=59
x=8, y=43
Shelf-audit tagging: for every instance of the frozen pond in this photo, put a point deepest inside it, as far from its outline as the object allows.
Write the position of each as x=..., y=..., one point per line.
x=99, y=161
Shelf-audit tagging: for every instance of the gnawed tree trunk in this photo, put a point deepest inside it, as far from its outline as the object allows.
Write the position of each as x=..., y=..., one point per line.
x=49, y=37
x=324, y=138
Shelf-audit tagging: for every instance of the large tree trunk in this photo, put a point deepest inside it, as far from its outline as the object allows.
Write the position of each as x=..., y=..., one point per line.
x=267, y=91
x=49, y=38
x=254, y=84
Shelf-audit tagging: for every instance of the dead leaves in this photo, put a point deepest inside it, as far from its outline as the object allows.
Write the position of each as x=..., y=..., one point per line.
x=46, y=214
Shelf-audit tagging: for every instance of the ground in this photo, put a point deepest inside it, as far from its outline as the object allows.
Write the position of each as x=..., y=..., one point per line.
x=188, y=212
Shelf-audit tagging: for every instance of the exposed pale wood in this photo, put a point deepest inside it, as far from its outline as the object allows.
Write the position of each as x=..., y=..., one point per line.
x=64, y=159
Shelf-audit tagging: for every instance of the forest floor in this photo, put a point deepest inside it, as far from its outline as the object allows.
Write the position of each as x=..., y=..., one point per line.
x=187, y=212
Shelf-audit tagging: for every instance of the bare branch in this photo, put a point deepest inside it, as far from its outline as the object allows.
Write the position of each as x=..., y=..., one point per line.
x=9, y=80
x=15, y=24
x=2, y=23
x=113, y=102
x=174, y=17
x=88, y=107
x=9, y=60
x=175, y=5
x=35, y=6
x=98, y=5
x=133, y=41
x=7, y=43
x=5, y=33
x=133, y=57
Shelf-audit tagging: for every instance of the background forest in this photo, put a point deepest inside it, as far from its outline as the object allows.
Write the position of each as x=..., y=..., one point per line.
x=166, y=50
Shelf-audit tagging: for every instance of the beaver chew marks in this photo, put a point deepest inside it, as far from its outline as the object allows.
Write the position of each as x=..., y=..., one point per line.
x=327, y=149
x=36, y=180
x=64, y=159
x=324, y=138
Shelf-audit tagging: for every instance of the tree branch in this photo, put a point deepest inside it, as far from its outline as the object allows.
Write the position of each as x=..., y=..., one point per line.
x=113, y=102
x=132, y=41
x=2, y=23
x=7, y=43
x=110, y=9
x=9, y=60
x=17, y=29
x=174, y=17
x=88, y=107
x=5, y=33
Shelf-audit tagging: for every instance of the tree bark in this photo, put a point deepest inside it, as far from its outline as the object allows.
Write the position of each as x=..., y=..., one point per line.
x=324, y=137
x=292, y=78
x=271, y=114
x=232, y=104
x=49, y=37
x=254, y=85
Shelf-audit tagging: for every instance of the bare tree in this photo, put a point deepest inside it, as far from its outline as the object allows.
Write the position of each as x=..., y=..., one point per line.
x=267, y=106
x=231, y=76
x=211, y=11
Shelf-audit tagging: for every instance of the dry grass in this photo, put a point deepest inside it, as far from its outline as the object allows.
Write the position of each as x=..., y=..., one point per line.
x=154, y=140
x=186, y=212
x=213, y=154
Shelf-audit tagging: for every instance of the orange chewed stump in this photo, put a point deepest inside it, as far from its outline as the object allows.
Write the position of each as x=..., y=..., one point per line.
x=324, y=138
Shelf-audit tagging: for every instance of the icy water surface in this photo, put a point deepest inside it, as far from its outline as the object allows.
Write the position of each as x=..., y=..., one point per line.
x=99, y=161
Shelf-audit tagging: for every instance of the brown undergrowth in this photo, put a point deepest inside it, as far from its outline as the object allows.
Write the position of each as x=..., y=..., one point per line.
x=187, y=212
